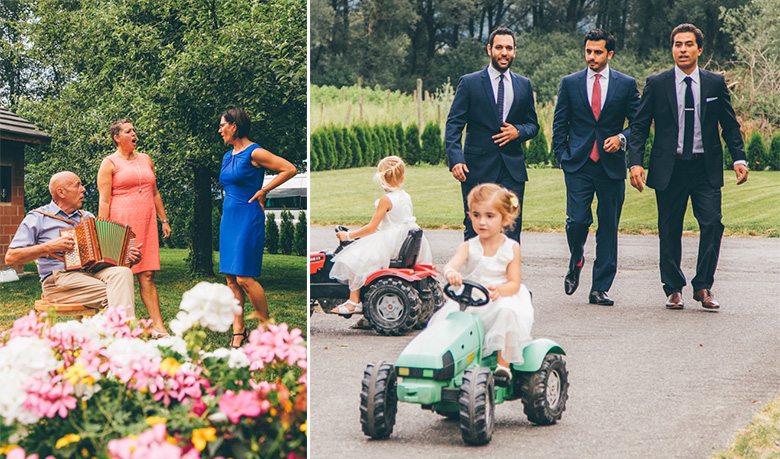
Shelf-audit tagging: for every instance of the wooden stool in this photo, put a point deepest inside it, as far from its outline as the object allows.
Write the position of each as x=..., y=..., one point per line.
x=43, y=305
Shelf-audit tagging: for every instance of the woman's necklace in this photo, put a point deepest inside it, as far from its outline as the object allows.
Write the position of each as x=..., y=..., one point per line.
x=137, y=168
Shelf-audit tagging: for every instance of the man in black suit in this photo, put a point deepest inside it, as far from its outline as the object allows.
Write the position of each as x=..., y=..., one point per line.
x=497, y=108
x=687, y=104
x=589, y=141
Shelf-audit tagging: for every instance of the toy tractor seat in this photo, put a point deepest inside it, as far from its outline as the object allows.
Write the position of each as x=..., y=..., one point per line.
x=410, y=249
x=61, y=309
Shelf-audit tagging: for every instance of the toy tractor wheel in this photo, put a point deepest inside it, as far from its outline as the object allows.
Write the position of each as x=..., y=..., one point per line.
x=392, y=306
x=477, y=406
x=378, y=400
x=546, y=391
x=431, y=305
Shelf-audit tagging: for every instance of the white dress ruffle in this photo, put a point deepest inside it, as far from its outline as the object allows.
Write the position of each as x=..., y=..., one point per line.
x=507, y=321
x=372, y=253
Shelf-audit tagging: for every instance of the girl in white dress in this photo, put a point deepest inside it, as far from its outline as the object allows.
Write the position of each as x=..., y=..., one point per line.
x=380, y=240
x=493, y=260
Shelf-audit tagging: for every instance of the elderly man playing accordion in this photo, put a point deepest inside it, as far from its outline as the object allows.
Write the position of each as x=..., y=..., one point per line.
x=38, y=238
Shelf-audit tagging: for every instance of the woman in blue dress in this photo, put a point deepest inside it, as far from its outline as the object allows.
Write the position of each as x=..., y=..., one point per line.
x=242, y=230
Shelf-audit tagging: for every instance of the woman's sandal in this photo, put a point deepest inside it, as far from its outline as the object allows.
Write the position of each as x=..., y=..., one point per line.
x=158, y=335
x=241, y=343
x=343, y=310
x=503, y=371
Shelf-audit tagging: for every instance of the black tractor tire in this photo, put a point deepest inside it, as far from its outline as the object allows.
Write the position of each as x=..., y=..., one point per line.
x=392, y=306
x=546, y=391
x=432, y=305
x=378, y=400
x=477, y=406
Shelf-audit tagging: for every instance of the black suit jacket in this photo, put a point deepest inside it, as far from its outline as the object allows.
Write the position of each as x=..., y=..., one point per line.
x=575, y=128
x=659, y=103
x=474, y=107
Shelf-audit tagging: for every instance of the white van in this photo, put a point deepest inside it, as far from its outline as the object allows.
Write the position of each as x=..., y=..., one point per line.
x=291, y=194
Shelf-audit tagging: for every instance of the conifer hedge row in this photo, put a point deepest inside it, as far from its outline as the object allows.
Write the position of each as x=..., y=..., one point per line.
x=336, y=147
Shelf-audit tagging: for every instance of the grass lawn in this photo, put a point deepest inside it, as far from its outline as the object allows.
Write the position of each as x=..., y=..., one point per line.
x=284, y=280
x=748, y=210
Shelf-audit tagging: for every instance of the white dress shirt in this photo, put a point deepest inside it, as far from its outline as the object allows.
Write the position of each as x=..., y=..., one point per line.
x=680, y=86
x=603, y=82
x=509, y=92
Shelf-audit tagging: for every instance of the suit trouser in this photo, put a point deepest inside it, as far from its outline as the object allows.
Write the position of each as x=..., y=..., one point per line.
x=689, y=179
x=111, y=286
x=506, y=180
x=580, y=187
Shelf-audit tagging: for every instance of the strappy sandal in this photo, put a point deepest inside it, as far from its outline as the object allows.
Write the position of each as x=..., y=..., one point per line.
x=241, y=343
x=503, y=371
x=343, y=310
x=158, y=335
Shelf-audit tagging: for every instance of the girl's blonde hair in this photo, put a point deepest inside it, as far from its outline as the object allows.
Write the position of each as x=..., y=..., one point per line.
x=390, y=173
x=503, y=200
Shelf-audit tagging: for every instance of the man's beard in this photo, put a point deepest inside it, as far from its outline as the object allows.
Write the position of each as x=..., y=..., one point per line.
x=494, y=62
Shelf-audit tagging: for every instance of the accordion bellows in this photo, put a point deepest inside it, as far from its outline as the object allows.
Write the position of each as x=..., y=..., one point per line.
x=99, y=244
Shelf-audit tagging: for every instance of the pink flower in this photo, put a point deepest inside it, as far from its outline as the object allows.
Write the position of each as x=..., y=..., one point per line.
x=28, y=326
x=245, y=403
x=149, y=444
x=274, y=343
x=49, y=397
x=18, y=453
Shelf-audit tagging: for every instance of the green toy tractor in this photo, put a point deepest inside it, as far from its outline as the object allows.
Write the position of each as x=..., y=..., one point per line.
x=444, y=371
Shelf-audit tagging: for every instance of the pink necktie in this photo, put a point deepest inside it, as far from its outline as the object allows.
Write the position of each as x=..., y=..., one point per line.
x=595, y=105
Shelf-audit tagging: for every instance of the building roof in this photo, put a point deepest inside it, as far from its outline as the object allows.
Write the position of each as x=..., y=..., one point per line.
x=13, y=127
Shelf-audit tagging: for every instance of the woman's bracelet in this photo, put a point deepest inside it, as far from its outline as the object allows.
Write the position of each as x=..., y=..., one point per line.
x=349, y=236
x=446, y=271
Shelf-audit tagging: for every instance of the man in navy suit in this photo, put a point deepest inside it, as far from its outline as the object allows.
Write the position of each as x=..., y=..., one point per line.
x=497, y=108
x=589, y=141
x=687, y=104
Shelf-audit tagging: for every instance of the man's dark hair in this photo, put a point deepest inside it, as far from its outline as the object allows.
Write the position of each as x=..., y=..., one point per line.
x=600, y=34
x=501, y=31
x=688, y=28
x=238, y=115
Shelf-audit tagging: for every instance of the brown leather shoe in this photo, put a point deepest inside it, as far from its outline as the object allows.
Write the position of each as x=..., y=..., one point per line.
x=705, y=297
x=674, y=301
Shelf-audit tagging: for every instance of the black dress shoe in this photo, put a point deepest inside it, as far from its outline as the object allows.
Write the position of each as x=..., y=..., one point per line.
x=572, y=280
x=600, y=298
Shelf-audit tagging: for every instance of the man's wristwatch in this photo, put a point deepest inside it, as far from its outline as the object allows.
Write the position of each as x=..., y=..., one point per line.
x=622, y=141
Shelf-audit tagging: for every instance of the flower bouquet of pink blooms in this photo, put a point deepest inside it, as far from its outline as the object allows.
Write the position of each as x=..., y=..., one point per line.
x=98, y=389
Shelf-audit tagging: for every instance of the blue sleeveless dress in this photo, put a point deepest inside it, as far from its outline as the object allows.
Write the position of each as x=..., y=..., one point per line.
x=242, y=229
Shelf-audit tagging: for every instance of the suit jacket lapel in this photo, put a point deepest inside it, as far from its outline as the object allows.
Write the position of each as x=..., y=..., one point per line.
x=582, y=89
x=611, y=89
x=704, y=86
x=489, y=96
x=671, y=95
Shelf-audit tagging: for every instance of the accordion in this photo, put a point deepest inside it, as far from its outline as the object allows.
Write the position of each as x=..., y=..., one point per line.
x=99, y=244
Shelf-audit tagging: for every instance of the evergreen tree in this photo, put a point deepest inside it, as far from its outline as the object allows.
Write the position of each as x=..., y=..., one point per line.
x=537, y=151
x=364, y=143
x=342, y=154
x=412, y=148
x=315, y=152
x=774, y=152
x=400, y=139
x=271, y=234
x=286, y=233
x=299, y=240
x=432, y=146
x=328, y=143
x=357, y=154
x=756, y=152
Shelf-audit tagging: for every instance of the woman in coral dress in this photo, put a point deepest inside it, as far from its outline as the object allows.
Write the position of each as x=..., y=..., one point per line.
x=129, y=195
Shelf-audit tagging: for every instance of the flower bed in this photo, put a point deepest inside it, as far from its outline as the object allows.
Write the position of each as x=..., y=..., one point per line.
x=97, y=388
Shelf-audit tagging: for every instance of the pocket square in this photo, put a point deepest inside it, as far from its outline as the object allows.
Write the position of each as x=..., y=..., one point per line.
x=710, y=99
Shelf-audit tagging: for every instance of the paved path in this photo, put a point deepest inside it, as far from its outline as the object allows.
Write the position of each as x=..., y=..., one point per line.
x=645, y=382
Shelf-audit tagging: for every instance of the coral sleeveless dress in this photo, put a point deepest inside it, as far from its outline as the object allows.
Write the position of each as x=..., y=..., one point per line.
x=242, y=229
x=508, y=320
x=132, y=203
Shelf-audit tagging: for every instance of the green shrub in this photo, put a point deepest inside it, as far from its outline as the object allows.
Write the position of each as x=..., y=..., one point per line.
x=216, y=218
x=773, y=161
x=432, y=146
x=412, y=150
x=329, y=147
x=299, y=240
x=364, y=143
x=400, y=140
x=315, y=153
x=286, y=233
x=382, y=142
x=756, y=152
x=342, y=148
x=271, y=234
x=648, y=148
x=537, y=151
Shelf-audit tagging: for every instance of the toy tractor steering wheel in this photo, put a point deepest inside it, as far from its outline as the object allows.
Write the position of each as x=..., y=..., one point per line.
x=342, y=244
x=468, y=294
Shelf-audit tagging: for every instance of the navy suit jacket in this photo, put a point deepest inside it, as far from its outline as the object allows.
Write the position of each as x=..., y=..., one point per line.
x=575, y=128
x=659, y=103
x=474, y=107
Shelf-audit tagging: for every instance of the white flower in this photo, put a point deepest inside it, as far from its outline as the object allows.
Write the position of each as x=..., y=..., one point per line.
x=183, y=322
x=20, y=360
x=211, y=305
x=235, y=357
x=176, y=343
x=218, y=417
